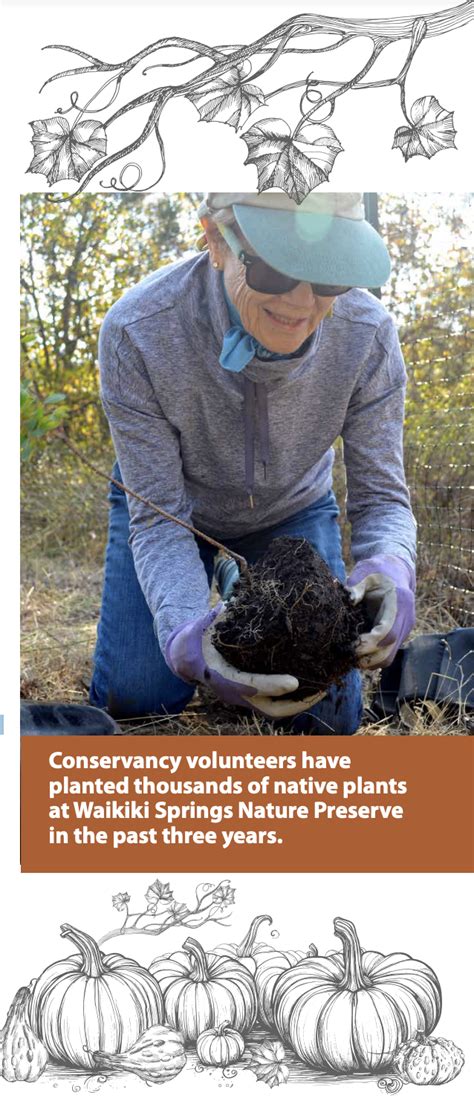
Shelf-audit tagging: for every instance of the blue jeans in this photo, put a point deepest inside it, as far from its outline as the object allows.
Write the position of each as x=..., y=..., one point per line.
x=131, y=677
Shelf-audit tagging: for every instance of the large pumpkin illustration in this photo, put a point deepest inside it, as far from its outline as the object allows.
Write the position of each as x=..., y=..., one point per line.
x=91, y=1002
x=351, y=1011
x=202, y=990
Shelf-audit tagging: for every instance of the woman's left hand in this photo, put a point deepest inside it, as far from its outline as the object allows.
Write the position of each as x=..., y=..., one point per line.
x=385, y=584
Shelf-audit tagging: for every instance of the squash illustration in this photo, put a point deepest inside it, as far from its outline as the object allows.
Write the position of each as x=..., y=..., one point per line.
x=157, y=1055
x=24, y=1056
x=202, y=990
x=428, y=1061
x=247, y=952
x=218, y=1047
x=271, y=965
x=351, y=1011
x=92, y=1001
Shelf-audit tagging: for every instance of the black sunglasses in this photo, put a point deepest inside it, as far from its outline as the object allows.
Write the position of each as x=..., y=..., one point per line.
x=260, y=277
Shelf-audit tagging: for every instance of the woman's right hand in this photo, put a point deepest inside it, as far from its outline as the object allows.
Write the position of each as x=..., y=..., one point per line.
x=192, y=656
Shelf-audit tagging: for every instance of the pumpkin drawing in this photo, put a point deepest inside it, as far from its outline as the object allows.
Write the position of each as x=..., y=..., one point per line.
x=218, y=1047
x=247, y=952
x=351, y=1011
x=202, y=990
x=428, y=1061
x=91, y=1002
x=272, y=965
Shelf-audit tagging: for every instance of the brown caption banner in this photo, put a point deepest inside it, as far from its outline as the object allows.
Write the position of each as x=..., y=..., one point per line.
x=242, y=804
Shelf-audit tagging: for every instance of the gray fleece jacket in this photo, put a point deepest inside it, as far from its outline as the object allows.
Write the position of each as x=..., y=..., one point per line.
x=197, y=439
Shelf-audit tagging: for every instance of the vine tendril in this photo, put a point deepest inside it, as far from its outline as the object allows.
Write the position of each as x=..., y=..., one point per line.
x=74, y=96
x=390, y=1084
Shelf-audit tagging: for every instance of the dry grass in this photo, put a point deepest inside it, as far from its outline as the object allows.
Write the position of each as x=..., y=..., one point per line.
x=60, y=609
x=61, y=601
x=63, y=543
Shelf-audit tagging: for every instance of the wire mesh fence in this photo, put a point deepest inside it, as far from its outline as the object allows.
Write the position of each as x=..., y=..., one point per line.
x=439, y=461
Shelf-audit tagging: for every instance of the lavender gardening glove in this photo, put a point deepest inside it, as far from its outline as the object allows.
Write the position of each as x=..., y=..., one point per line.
x=386, y=585
x=191, y=655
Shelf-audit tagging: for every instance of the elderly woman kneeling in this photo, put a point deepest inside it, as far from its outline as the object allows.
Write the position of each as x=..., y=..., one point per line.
x=226, y=379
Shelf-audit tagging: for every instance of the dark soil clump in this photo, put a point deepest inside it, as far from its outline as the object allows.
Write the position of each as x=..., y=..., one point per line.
x=288, y=614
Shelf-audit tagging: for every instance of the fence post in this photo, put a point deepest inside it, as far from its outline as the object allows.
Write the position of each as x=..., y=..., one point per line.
x=371, y=208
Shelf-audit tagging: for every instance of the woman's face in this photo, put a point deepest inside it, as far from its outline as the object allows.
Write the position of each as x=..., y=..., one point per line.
x=281, y=322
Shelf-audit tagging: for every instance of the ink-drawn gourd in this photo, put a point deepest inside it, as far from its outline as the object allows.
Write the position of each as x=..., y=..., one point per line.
x=247, y=952
x=24, y=1055
x=90, y=1001
x=220, y=1046
x=157, y=1056
x=351, y=1011
x=269, y=969
x=428, y=1061
x=202, y=990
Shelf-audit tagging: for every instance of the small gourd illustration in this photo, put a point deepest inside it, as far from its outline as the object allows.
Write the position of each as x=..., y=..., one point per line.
x=157, y=1056
x=24, y=1055
x=428, y=1061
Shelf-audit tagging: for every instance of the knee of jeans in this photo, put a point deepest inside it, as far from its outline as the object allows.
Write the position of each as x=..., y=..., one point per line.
x=129, y=699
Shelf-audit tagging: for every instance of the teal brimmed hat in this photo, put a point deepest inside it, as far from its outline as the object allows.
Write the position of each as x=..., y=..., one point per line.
x=324, y=239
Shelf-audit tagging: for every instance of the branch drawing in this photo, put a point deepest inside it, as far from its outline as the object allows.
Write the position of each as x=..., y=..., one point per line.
x=211, y=901
x=296, y=155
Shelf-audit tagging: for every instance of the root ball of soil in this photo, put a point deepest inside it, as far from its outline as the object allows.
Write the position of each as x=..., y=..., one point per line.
x=288, y=614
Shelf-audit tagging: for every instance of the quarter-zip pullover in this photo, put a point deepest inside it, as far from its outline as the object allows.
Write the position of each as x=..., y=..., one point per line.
x=180, y=426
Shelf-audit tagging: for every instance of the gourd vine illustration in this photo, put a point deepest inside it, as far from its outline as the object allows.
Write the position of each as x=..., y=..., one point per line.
x=245, y=1007
x=237, y=88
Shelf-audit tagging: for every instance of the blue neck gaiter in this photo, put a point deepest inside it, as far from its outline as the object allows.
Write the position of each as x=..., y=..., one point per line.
x=239, y=347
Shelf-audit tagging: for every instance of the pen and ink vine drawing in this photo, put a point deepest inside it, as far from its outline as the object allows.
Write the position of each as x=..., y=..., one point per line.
x=237, y=88
x=93, y=1019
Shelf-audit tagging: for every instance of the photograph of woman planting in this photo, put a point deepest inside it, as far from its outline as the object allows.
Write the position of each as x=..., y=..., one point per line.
x=226, y=378
x=225, y=382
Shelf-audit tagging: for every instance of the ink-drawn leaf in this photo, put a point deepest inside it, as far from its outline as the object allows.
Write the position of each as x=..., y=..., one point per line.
x=227, y=98
x=224, y=895
x=179, y=911
x=64, y=154
x=295, y=165
x=156, y=893
x=268, y=1063
x=432, y=130
x=119, y=902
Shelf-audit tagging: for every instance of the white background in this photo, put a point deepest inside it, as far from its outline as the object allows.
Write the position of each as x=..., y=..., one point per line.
x=426, y=916
x=429, y=917
x=203, y=154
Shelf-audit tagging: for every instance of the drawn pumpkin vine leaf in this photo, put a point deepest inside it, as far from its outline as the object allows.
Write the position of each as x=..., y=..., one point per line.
x=296, y=160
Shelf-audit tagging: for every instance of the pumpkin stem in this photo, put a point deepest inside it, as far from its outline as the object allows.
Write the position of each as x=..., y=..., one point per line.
x=199, y=958
x=220, y=1029
x=245, y=947
x=312, y=951
x=92, y=957
x=353, y=977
